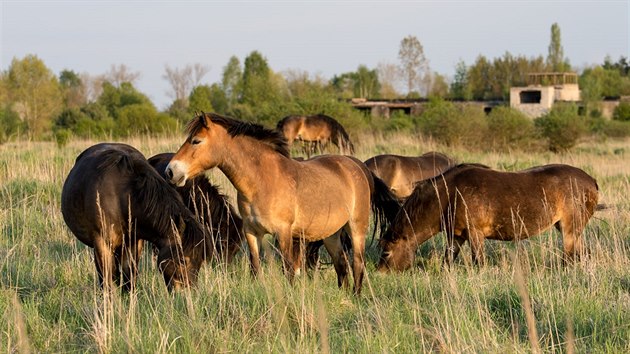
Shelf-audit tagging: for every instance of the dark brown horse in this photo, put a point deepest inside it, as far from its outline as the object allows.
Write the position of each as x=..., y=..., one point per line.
x=472, y=202
x=401, y=173
x=310, y=200
x=113, y=199
x=316, y=132
x=212, y=208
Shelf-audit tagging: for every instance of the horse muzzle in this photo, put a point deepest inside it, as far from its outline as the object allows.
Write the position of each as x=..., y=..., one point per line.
x=175, y=174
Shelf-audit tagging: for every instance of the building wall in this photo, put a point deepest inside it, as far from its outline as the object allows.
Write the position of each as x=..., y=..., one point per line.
x=533, y=110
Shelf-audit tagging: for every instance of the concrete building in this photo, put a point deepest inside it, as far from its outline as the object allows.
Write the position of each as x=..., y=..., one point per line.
x=542, y=91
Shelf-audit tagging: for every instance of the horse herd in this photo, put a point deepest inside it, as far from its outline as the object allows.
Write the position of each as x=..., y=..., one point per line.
x=114, y=199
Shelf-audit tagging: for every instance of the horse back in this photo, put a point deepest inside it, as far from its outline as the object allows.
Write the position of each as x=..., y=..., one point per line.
x=504, y=205
x=92, y=193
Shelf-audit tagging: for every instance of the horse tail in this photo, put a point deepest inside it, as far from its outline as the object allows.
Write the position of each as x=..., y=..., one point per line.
x=338, y=135
x=385, y=205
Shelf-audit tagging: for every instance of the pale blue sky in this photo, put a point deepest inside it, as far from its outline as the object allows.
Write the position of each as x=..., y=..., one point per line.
x=321, y=37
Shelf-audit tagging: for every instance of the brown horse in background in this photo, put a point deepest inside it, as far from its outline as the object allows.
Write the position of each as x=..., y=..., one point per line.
x=113, y=199
x=471, y=203
x=212, y=208
x=310, y=200
x=316, y=131
x=401, y=173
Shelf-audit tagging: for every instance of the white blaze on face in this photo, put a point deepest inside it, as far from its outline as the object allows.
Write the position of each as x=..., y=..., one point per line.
x=178, y=172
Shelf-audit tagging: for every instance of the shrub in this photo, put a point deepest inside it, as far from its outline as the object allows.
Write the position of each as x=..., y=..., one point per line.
x=62, y=136
x=509, y=129
x=450, y=125
x=10, y=124
x=562, y=127
x=622, y=112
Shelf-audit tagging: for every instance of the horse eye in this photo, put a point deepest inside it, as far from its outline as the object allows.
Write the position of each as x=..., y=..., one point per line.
x=195, y=141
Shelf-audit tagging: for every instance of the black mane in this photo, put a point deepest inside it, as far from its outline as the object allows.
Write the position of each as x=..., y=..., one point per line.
x=235, y=127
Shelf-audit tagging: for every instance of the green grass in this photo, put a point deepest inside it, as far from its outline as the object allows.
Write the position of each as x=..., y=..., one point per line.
x=49, y=301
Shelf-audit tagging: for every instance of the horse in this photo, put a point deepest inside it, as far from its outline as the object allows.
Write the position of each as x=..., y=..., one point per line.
x=316, y=131
x=471, y=202
x=310, y=200
x=385, y=207
x=401, y=173
x=212, y=208
x=113, y=199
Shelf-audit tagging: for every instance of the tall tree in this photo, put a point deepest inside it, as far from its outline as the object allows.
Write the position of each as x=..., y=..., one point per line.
x=35, y=93
x=366, y=82
x=232, y=80
x=413, y=63
x=257, y=85
x=555, y=56
x=460, y=89
x=182, y=80
x=72, y=88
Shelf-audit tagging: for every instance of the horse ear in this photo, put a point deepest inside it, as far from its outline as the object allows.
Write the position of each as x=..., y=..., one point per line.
x=202, y=119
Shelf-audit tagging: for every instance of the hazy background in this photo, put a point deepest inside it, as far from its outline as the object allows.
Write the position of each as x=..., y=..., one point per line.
x=321, y=37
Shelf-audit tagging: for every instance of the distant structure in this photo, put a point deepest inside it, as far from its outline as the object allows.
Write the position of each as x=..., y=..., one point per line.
x=384, y=108
x=543, y=90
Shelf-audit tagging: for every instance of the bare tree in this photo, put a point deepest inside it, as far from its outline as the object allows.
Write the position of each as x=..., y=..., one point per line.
x=92, y=86
x=120, y=73
x=183, y=80
x=413, y=64
x=389, y=78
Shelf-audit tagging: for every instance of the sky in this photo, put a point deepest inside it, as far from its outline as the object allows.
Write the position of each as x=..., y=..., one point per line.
x=324, y=38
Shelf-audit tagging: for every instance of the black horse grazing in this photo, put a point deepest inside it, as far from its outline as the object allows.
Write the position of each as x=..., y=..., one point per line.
x=113, y=199
x=316, y=131
x=212, y=208
x=472, y=202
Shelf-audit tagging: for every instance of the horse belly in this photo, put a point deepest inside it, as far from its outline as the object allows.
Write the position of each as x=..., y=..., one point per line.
x=318, y=227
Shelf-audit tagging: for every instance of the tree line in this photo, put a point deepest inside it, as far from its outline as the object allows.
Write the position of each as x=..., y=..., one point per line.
x=38, y=104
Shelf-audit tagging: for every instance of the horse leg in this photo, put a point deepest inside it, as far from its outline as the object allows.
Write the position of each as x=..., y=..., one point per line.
x=312, y=254
x=254, y=243
x=476, y=240
x=572, y=241
x=129, y=264
x=357, y=229
x=297, y=255
x=339, y=258
x=104, y=261
x=453, y=246
x=286, y=251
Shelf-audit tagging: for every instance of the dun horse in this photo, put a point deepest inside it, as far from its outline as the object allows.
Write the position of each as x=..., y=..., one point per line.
x=113, y=199
x=316, y=131
x=212, y=208
x=472, y=202
x=310, y=200
x=401, y=173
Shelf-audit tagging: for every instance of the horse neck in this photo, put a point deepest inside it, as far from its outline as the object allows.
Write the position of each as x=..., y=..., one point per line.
x=245, y=163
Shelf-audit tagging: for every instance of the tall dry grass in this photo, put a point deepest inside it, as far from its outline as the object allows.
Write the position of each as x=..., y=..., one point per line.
x=522, y=300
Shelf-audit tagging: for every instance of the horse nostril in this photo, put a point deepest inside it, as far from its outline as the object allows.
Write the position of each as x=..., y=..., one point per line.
x=169, y=173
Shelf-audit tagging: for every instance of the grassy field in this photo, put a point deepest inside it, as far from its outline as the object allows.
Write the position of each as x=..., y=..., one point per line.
x=522, y=300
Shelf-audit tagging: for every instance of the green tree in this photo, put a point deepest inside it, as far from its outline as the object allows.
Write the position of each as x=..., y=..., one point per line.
x=114, y=98
x=72, y=89
x=366, y=82
x=256, y=80
x=439, y=86
x=10, y=124
x=555, y=56
x=232, y=81
x=34, y=93
x=413, y=63
x=459, y=87
x=200, y=99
